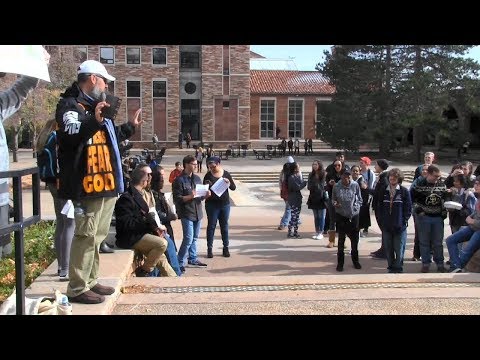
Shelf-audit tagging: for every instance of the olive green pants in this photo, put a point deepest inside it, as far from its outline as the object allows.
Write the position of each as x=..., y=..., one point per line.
x=91, y=228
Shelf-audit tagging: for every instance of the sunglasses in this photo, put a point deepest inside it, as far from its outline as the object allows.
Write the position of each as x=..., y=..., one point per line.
x=104, y=80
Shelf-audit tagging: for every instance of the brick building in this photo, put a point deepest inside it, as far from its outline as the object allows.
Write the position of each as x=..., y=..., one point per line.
x=203, y=89
x=288, y=100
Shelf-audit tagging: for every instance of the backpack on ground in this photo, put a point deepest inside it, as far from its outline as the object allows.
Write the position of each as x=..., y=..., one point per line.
x=47, y=159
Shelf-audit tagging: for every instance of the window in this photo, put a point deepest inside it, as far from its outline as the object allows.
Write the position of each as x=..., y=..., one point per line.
x=159, y=89
x=189, y=60
x=107, y=55
x=190, y=88
x=226, y=104
x=159, y=56
x=295, y=118
x=80, y=54
x=133, y=55
x=267, y=118
x=133, y=89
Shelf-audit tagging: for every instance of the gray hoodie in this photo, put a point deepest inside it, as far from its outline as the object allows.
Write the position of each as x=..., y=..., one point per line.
x=348, y=197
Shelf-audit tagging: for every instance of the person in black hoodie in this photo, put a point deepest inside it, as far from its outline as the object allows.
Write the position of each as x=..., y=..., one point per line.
x=381, y=167
x=90, y=174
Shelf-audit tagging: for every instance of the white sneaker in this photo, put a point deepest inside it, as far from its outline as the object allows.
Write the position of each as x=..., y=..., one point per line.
x=319, y=236
x=315, y=236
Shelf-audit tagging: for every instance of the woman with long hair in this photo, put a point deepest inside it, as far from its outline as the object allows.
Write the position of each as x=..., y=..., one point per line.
x=318, y=196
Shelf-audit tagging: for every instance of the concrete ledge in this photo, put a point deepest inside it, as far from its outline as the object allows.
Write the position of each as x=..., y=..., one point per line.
x=114, y=269
x=305, y=279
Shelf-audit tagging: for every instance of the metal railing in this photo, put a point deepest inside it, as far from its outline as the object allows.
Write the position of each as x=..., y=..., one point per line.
x=19, y=224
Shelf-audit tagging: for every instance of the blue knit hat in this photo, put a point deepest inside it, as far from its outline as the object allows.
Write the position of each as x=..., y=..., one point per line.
x=214, y=159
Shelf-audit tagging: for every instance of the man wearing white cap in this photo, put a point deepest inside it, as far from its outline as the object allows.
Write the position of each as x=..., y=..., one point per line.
x=90, y=174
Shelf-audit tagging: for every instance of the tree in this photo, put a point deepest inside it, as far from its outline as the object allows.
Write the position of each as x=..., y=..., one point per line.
x=393, y=88
x=361, y=108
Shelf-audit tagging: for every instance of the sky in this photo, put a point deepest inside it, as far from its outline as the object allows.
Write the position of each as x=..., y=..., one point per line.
x=307, y=56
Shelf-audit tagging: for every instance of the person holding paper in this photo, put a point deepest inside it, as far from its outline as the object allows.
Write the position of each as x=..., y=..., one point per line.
x=189, y=211
x=217, y=205
x=10, y=101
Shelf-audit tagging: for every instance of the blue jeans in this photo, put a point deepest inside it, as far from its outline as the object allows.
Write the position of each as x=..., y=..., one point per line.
x=394, y=244
x=222, y=214
x=319, y=219
x=460, y=258
x=191, y=229
x=286, y=215
x=171, y=254
x=430, y=235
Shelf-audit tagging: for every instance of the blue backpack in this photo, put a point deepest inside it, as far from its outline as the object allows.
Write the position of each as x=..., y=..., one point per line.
x=47, y=159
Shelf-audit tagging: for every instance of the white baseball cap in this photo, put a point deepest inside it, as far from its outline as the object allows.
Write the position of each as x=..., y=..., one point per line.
x=94, y=67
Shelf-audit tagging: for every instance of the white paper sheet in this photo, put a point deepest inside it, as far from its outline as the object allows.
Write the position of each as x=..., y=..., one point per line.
x=25, y=60
x=157, y=218
x=68, y=209
x=219, y=187
x=201, y=190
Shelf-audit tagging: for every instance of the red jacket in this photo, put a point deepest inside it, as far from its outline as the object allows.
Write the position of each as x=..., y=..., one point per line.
x=173, y=175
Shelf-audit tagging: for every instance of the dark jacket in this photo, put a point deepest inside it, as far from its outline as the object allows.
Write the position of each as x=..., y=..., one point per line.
x=295, y=184
x=183, y=185
x=131, y=223
x=394, y=219
x=86, y=156
x=316, y=198
x=164, y=212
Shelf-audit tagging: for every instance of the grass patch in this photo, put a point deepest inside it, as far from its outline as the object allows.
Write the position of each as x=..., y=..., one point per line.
x=39, y=254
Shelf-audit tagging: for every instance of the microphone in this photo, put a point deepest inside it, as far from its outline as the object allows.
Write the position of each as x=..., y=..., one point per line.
x=111, y=111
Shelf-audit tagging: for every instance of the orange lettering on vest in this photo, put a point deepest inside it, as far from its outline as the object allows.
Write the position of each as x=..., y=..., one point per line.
x=94, y=158
x=98, y=183
x=90, y=160
x=101, y=159
x=87, y=184
x=109, y=182
x=99, y=137
x=106, y=153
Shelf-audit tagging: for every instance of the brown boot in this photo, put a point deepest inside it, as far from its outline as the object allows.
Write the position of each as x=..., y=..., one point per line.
x=331, y=238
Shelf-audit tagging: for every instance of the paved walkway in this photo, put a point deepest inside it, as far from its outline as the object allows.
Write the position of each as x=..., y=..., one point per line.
x=264, y=256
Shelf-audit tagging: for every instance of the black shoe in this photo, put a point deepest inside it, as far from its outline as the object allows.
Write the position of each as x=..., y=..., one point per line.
x=182, y=269
x=378, y=255
x=339, y=267
x=210, y=253
x=88, y=297
x=196, y=263
x=357, y=265
x=103, y=290
x=226, y=253
x=140, y=272
x=104, y=249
